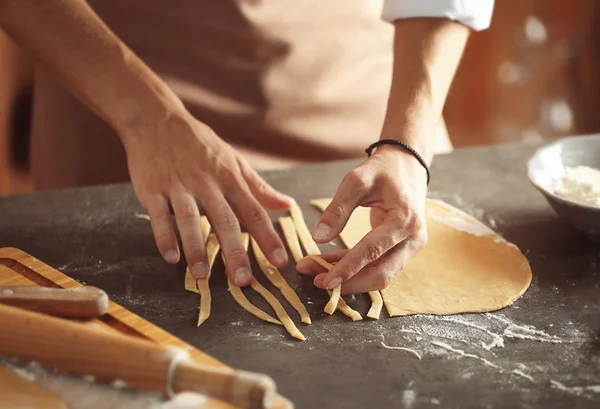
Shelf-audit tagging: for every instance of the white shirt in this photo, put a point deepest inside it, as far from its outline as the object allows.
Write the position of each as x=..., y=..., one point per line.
x=476, y=14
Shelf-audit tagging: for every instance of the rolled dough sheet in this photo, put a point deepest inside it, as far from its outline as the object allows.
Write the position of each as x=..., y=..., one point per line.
x=466, y=266
x=275, y=277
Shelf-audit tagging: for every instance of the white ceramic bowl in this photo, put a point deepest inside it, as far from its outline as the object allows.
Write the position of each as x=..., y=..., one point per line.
x=548, y=164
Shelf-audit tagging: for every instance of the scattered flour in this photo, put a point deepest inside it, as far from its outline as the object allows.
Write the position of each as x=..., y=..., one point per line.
x=581, y=185
x=522, y=374
x=412, y=351
x=576, y=390
x=497, y=340
x=465, y=354
x=8, y=291
x=408, y=398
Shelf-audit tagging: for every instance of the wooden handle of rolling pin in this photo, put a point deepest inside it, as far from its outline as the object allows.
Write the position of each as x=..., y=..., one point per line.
x=79, y=349
x=78, y=302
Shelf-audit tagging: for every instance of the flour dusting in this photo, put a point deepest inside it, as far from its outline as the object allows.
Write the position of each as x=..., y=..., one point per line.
x=465, y=354
x=581, y=185
x=522, y=374
x=408, y=398
x=576, y=390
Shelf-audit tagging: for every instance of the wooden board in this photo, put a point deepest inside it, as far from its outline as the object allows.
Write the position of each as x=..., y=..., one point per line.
x=20, y=268
x=18, y=392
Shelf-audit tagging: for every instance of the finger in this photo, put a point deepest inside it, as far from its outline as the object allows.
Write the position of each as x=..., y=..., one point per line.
x=227, y=229
x=162, y=228
x=256, y=220
x=333, y=220
x=187, y=216
x=310, y=267
x=318, y=281
x=266, y=195
x=378, y=275
x=373, y=246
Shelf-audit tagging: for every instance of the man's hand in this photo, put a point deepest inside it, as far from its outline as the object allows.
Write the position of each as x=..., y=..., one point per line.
x=393, y=184
x=176, y=162
x=185, y=167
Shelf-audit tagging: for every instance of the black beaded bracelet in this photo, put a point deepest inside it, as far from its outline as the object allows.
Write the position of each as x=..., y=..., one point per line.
x=406, y=146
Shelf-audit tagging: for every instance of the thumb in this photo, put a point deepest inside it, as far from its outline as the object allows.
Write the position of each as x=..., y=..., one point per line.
x=347, y=198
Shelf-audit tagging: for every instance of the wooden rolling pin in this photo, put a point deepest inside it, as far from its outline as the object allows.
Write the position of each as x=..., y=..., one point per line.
x=82, y=350
x=79, y=302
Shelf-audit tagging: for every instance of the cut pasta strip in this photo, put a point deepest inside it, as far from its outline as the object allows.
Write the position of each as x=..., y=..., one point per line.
x=240, y=298
x=279, y=310
x=334, y=294
x=311, y=248
x=212, y=249
x=275, y=277
x=376, y=305
x=291, y=237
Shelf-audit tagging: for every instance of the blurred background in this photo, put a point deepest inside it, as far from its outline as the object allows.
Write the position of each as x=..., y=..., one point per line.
x=529, y=77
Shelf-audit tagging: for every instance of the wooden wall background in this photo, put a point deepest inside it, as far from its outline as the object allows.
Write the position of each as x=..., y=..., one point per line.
x=534, y=75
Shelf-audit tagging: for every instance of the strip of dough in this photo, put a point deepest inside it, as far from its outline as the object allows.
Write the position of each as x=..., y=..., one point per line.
x=342, y=306
x=240, y=298
x=350, y=241
x=291, y=237
x=311, y=248
x=334, y=299
x=190, y=281
x=212, y=249
x=275, y=277
x=376, y=305
x=279, y=310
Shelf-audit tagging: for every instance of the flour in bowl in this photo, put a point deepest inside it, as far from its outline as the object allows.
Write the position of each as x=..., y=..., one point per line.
x=581, y=185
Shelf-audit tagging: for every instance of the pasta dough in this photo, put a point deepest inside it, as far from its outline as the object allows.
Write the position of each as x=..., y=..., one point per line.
x=212, y=249
x=466, y=267
x=292, y=237
x=275, y=277
x=335, y=294
x=240, y=298
x=311, y=248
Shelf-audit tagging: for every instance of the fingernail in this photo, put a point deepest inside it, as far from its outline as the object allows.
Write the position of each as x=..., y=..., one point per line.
x=322, y=231
x=334, y=282
x=243, y=275
x=319, y=281
x=280, y=257
x=200, y=270
x=304, y=270
x=171, y=256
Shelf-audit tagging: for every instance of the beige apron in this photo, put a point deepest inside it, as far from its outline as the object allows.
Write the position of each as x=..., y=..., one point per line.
x=284, y=81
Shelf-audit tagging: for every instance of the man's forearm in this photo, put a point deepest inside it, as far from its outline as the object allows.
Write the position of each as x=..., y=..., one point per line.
x=69, y=38
x=426, y=54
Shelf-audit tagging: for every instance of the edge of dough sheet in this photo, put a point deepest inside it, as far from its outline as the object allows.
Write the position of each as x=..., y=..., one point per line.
x=408, y=295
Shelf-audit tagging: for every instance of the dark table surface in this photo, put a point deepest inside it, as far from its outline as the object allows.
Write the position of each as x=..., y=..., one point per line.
x=542, y=352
